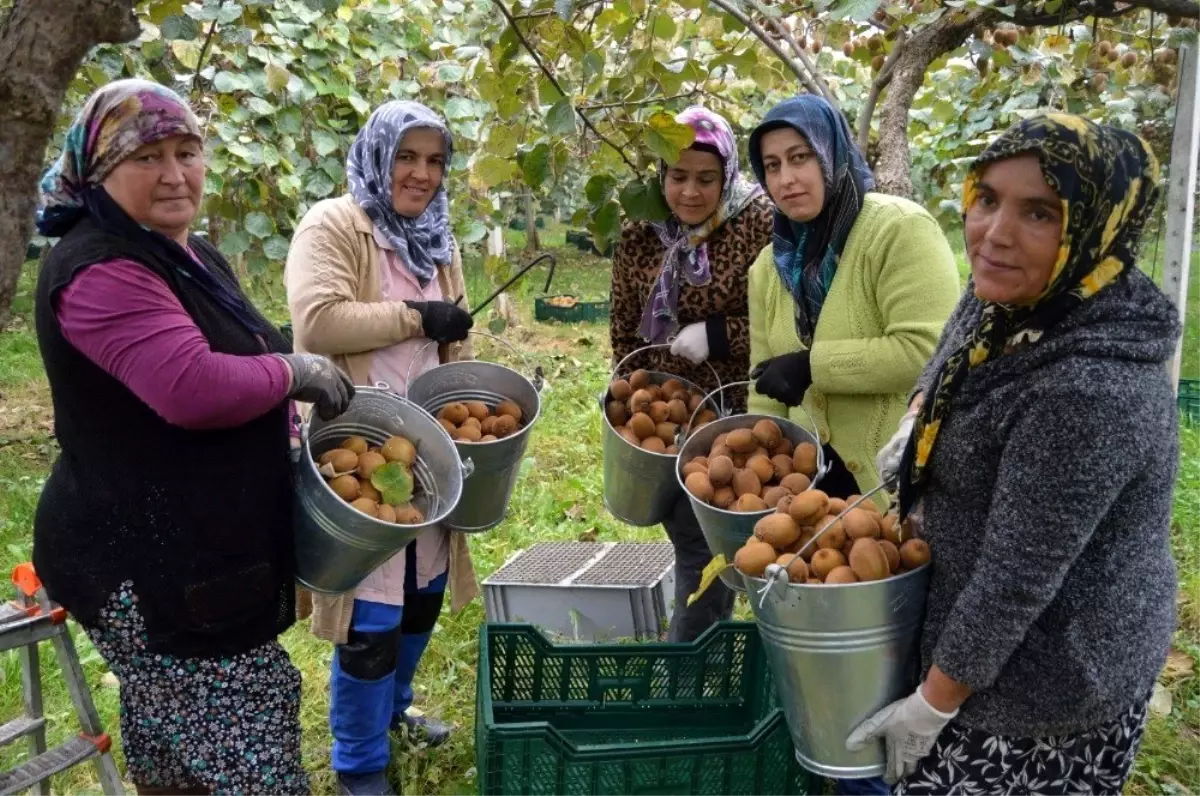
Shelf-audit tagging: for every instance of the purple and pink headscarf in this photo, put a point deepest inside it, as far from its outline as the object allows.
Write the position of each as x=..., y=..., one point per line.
x=687, y=248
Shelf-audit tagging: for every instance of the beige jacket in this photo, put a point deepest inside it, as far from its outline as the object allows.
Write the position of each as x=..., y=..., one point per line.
x=332, y=279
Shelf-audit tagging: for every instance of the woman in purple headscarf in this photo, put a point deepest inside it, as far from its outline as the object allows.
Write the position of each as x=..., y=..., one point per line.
x=683, y=281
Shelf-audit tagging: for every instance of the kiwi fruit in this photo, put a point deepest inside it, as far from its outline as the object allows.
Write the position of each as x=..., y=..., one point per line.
x=841, y=575
x=620, y=390
x=835, y=537
x=666, y=432
x=398, y=449
x=772, y=496
x=892, y=553
x=861, y=524
x=767, y=433
x=346, y=487
x=723, y=497
x=654, y=445
x=796, y=483
x=694, y=401
x=784, y=448
x=782, y=465
x=640, y=402
x=777, y=530
x=750, y=503
x=847, y=547
x=914, y=553
x=673, y=450
x=356, y=444
x=367, y=489
x=671, y=386
x=705, y=417
x=762, y=467
x=891, y=532
x=343, y=460
x=505, y=425
x=694, y=467
x=720, y=450
x=677, y=411
x=836, y=506
x=659, y=412
x=795, y=567
x=639, y=379
x=825, y=561
x=804, y=459
x=366, y=506
x=703, y=460
x=468, y=433
x=745, y=482
x=641, y=425
x=488, y=438
x=408, y=514
x=446, y=424
x=656, y=393
x=753, y=557
x=1129, y=60
x=868, y=560
x=369, y=463
x=741, y=440
x=478, y=410
x=385, y=513
x=472, y=421
x=508, y=408
x=699, y=485
x=489, y=423
x=627, y=434
x=784, y=502
x=866, y=505
x=808, y=507
x=455, y=413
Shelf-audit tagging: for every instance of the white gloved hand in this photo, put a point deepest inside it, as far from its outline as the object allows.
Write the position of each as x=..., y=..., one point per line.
x=887, y=461
x=692, y=343
x=909, y=727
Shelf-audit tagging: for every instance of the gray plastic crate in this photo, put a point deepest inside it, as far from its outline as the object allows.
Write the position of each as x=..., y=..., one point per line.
x=586, y=591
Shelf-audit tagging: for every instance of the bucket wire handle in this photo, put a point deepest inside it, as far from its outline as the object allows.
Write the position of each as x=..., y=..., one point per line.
x=822, y=465
x=774, y=576
x=538, y=376
x=716, y=376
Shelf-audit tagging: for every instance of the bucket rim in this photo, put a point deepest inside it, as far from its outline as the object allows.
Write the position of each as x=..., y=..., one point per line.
x=890, y=579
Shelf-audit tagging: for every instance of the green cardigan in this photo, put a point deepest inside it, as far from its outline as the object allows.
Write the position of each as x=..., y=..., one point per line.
x=895, y=286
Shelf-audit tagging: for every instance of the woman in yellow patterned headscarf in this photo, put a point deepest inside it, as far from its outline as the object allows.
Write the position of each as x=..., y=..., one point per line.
x=1044, y=458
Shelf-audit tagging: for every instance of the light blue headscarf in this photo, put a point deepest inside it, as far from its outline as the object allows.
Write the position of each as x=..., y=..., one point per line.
x=423, y=243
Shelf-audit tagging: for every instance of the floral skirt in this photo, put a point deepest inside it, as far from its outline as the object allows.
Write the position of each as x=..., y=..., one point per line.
x=966, y=761
x=225, y=725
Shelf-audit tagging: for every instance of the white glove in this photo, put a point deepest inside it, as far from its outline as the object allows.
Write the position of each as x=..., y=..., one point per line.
x=887, y=461
x=909, y=727
x=692, y=343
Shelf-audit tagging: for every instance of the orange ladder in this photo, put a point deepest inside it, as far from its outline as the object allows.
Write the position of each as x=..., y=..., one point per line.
x=25, y=622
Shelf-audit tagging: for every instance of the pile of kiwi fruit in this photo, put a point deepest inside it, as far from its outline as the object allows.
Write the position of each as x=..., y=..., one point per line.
x=751, y=469
x=348, y=469
x=651, y=416
x=475, y=421
x=863, y=546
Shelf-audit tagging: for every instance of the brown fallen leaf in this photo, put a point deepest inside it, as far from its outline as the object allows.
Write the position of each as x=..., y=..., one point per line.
x=1179, y=664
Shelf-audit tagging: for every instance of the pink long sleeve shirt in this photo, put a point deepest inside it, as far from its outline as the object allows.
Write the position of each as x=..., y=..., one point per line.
x=126, y=320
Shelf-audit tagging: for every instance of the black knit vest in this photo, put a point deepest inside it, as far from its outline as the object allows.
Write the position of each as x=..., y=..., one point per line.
x=199, y=521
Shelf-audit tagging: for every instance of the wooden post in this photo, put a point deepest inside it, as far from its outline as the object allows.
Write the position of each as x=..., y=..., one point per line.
x=1181, y=189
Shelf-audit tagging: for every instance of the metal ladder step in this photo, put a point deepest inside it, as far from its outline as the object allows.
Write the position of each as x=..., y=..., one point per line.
x=19, y=727
x=47, y=764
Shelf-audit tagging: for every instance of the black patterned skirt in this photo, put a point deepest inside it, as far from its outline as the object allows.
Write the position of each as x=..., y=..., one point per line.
x=224, y=725
x=966, y=761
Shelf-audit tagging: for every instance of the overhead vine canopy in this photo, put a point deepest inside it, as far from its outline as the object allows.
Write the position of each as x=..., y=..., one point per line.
x=571, y=101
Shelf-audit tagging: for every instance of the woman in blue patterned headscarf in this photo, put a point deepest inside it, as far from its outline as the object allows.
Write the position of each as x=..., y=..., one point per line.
x=372, y=278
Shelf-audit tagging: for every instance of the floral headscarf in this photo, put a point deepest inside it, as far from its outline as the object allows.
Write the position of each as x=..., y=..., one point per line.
x=117, y=119
x=423, y=243
x=687, y=246
x=806, y=255
x=1107, y=180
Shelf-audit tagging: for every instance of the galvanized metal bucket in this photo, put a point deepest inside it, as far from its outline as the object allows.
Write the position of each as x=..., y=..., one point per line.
x=639, y=485
x=839, y=653
x=495, y=465
x=336, y=545
x=724, y=530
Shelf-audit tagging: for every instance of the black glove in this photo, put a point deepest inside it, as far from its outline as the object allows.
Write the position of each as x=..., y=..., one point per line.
x=785, y=378
x=316, y=380
x=442, y=321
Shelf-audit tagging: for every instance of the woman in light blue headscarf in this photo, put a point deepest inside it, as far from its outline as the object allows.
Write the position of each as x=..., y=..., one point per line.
x=372, y=277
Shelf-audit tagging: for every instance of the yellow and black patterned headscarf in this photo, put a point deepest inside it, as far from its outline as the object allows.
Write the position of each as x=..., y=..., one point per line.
x=1107, y=179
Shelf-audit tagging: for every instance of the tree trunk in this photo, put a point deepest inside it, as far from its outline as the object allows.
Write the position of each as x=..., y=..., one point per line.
x=41, y=47
x=893, y=171
x=532, y=242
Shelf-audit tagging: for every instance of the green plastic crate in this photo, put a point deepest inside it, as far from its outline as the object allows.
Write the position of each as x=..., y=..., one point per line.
x=593, y=719
x=1189, y=399
x=582, y=312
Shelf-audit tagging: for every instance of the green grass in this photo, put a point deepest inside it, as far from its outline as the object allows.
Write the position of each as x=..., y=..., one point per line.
x=557, y=498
